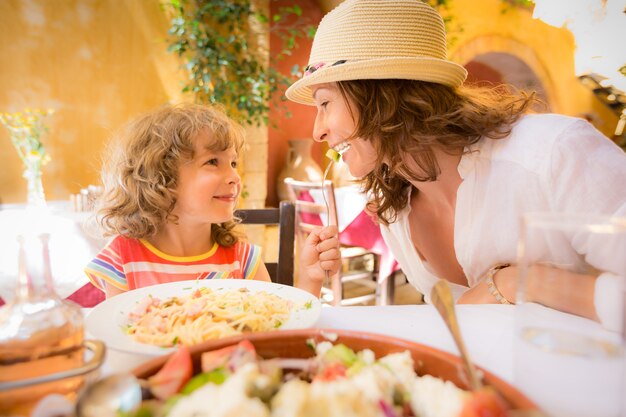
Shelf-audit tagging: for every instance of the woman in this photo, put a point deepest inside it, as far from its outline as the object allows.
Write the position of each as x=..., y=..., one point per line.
x=450, y=170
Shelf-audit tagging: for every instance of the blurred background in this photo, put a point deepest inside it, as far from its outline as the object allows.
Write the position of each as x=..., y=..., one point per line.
x=99, y=63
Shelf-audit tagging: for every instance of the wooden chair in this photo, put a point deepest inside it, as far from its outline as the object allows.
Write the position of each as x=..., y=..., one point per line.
x=282, y=271
x=362, y=265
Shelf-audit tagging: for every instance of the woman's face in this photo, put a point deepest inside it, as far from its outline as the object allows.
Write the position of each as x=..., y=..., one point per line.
x=334, y=124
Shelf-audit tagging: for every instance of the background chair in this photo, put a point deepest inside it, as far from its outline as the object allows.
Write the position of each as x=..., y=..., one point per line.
x=281, y=271
x=360, y=266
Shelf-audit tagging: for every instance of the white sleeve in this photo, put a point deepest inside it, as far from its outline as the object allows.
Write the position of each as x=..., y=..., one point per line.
x=587, y=176
x=587, y=172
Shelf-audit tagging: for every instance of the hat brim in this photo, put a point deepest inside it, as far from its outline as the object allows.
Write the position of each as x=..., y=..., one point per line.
x=424, y=69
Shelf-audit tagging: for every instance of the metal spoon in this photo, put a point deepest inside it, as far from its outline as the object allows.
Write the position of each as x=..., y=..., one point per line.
x=110, y=396
x=441, y=297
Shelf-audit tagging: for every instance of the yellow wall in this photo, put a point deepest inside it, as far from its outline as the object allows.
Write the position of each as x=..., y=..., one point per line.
x=97, y=63
x=549, y=51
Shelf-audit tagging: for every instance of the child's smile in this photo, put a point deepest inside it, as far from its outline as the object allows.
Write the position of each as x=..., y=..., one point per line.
x=227, y=198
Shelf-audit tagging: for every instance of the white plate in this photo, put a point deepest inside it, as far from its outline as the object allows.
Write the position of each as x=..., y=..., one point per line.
x=108, y=319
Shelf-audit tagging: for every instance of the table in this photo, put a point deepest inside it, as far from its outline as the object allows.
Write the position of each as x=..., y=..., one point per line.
x=488, y=331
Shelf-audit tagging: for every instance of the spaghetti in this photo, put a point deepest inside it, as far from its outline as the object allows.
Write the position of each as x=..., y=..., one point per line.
x=206, y=314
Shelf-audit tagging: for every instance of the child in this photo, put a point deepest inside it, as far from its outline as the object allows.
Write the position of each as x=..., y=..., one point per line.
x=170, y=189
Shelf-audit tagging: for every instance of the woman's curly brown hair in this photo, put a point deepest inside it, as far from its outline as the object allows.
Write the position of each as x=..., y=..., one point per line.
x=140, y=169
x=407, y=117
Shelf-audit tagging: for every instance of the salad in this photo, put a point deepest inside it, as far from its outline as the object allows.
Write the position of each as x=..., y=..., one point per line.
x=336, y=381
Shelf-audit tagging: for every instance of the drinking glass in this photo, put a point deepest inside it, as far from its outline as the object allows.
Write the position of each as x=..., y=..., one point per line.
x=568, y=364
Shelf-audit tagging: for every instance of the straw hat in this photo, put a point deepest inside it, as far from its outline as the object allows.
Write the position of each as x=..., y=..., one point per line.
x=378, y=39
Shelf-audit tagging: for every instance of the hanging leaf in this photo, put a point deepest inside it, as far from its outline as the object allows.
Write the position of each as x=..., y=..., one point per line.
x=213, y=37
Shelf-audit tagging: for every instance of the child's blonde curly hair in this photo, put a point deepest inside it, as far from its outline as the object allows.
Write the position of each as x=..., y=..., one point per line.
x=140, y=169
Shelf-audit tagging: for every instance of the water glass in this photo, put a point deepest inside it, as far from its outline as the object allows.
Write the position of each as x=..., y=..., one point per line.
x=568, y=364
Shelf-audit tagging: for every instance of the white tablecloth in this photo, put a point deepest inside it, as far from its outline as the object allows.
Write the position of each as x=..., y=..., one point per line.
x=489, y=332
x=74, y=241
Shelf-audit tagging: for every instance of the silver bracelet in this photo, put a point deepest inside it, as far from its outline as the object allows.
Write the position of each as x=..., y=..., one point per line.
x=491, y=286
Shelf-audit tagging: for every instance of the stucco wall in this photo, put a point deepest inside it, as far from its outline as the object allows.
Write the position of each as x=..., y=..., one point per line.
x=97, y=63
x=549, y=51
x=300, y=124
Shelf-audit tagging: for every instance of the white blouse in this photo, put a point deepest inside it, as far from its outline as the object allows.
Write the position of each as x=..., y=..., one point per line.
x=548, y=163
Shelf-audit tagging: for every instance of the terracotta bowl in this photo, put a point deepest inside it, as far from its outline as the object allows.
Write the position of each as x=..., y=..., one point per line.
x=292, y=344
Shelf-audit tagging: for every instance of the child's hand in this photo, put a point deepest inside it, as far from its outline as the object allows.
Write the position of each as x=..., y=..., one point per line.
x=321, y=253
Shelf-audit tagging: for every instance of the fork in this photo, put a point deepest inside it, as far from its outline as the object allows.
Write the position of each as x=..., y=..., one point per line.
x=334, y=156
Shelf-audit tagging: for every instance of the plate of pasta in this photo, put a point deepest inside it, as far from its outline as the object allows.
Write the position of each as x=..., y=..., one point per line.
x=153, y=320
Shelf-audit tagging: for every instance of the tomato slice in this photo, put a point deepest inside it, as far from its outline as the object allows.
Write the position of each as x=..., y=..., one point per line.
x=216, y=358
x=173, y=375
x=332, y=372
x=484, y=403
x=229, y=357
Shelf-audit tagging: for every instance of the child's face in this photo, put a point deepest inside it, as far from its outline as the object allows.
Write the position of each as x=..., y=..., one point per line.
x=208, y=185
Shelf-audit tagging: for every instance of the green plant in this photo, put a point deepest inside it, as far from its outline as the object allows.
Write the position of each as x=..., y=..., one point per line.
x=508, y=5
x=225, y=61
x=453, y=27
x=529, y=4
x=26, y=129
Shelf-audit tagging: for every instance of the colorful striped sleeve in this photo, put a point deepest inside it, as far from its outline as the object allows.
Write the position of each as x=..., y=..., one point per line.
x=107, y=267
x=252, y=259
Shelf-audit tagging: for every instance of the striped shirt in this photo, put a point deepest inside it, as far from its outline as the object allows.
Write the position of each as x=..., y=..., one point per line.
x=134, y=263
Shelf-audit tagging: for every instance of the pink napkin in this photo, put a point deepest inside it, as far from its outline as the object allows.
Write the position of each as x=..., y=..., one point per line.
x=87, y=296
x=365, y=233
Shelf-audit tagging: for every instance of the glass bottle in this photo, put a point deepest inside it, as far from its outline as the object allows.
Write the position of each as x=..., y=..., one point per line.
x=40, y=333
x=35, y=196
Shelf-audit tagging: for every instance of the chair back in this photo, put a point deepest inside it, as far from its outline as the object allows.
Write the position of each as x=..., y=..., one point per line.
x=312, y=213
x=281, y=271
x=309, y=213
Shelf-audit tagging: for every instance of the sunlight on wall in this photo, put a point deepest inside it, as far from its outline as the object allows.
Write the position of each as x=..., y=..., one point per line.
x=96, y=63
x=549, y=51
x=599, y=28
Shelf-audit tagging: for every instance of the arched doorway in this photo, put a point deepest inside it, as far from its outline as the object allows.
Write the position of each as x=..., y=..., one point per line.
x=495, y=68
x=507, y=60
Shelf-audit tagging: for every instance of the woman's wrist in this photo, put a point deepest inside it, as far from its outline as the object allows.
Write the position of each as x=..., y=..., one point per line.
x=500, y=289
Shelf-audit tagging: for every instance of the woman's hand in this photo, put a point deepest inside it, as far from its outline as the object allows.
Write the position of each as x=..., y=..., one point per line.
x=320, y=253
